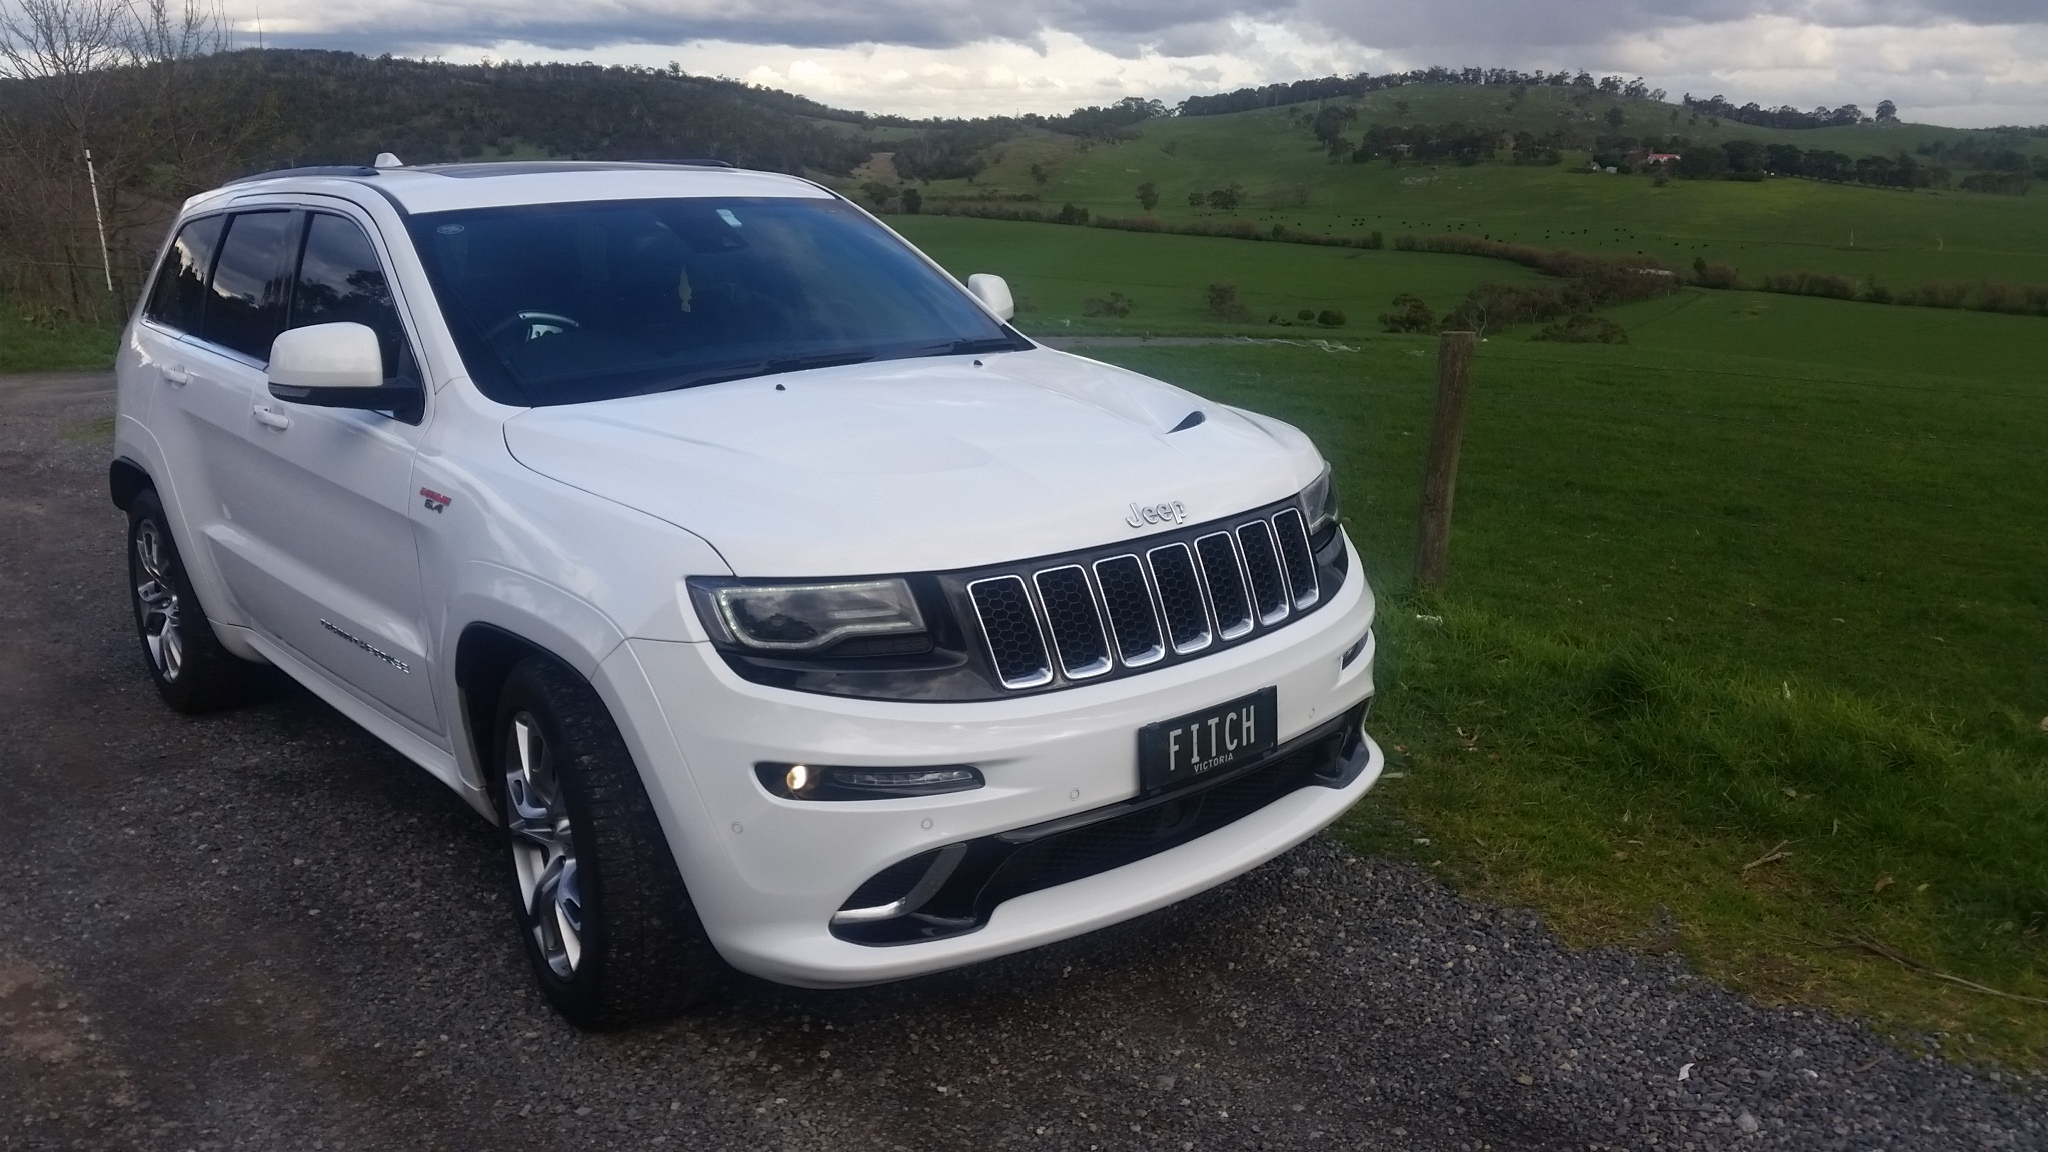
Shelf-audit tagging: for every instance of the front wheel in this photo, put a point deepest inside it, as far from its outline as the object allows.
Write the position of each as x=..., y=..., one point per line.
x=192, y=671
x=606, y=920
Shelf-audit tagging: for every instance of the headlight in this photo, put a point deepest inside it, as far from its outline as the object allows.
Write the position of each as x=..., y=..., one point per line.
x=1320, y=501
x=807, y=617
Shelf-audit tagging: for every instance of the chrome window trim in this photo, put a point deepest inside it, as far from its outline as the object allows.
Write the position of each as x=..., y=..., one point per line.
x=1201, y=598
x=1045, y=675
x=1087, y=671
x=1158, y=650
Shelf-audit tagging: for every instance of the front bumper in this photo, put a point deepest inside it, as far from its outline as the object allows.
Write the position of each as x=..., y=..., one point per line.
x=767, y=874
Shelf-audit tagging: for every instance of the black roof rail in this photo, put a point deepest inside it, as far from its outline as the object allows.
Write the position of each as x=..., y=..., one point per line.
x=316, y=170
x=697, y=163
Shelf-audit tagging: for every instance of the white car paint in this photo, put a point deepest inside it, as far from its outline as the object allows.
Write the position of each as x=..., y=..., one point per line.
x=574, y=528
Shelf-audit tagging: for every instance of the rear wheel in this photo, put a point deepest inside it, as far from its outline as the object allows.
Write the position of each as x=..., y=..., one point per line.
x=602, y=910
x=192, y=671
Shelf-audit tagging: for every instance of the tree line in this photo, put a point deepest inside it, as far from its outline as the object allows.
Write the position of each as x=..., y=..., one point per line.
x=1785, y=116
x=1334, y=87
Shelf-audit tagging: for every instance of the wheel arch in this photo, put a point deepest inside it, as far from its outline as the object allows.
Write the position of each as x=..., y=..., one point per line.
x=485, y=655
x=125, y=481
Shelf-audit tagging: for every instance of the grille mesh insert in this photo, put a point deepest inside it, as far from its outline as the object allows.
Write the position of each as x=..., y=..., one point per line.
x=1262, y=562
x=1129, y=604
x=1075, y=625
x=1011, y=629
x=1227, y=593
x=1180, y=598
x=1300, y=560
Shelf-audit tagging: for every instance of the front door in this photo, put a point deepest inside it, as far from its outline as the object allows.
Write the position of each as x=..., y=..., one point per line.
x=321, y=546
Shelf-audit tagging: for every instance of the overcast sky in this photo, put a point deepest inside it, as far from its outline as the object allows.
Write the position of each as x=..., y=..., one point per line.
x=1962, y=62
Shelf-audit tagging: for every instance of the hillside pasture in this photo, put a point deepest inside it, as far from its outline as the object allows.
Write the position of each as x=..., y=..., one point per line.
x=1899, y=238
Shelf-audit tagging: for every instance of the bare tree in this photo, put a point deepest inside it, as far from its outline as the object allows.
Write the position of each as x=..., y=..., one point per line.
x=109, y=76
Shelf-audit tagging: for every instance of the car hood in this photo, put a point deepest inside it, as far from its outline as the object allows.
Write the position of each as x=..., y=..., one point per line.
x=917, y=465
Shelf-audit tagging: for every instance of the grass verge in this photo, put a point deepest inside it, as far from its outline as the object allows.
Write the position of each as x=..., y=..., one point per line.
x=26, y=346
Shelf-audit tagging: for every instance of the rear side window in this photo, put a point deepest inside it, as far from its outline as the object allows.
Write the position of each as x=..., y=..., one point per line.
x=246, y=299
x=179, y=295
x=340, y=280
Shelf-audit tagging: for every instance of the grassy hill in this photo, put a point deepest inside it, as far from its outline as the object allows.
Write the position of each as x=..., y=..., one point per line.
x=1897, y=237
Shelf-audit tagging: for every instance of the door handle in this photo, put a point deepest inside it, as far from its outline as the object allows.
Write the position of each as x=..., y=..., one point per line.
x=271, y=418
x=176, y=374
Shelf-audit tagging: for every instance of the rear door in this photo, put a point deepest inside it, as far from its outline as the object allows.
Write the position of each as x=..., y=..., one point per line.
x=324, y=550
x=220, y=289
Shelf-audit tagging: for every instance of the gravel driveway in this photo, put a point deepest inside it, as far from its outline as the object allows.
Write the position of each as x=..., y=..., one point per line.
x=264, y=930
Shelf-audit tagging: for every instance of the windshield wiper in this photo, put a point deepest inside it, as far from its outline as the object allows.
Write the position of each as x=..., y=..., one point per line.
x=971, y=347
x=769, y=367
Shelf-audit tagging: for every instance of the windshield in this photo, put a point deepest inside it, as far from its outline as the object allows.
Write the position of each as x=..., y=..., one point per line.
x=566, y=303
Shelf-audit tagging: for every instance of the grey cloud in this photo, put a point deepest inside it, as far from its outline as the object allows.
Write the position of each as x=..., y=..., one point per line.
x=1519, y=32
x=1181, y=27
x=1566, y=23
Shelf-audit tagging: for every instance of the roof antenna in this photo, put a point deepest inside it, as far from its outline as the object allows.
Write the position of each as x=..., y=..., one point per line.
x=387, y=160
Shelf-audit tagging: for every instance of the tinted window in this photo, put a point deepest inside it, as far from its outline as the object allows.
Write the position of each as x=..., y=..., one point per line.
x=245, y=300
x=179, y=295
x=560, y=303
x=340, y=280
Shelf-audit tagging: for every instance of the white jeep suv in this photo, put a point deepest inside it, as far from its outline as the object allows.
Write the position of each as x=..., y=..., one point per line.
x=786, y=607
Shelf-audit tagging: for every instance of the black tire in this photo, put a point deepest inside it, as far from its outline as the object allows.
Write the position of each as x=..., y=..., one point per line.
x=602, y=911
x=192, y=671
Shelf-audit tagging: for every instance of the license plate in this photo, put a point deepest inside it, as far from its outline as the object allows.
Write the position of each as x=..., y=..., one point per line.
x=1178, y=752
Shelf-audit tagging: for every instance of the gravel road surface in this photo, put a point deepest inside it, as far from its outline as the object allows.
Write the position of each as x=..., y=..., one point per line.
x=263, y=930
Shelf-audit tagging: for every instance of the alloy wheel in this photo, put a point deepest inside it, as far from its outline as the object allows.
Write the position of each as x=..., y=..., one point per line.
x=156, y=595
x=543, y=847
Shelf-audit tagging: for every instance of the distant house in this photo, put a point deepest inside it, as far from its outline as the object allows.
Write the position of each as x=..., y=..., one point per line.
x=1663, y=158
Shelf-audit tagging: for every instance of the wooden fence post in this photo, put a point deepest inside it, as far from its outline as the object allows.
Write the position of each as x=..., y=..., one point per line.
x=1440, y=472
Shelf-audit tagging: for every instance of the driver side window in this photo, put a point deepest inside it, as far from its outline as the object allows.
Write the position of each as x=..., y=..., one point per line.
x=339, y=279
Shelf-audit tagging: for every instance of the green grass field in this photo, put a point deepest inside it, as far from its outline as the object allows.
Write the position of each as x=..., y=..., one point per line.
x=1705, y=606
x=1899, y=238
x=1054, y=270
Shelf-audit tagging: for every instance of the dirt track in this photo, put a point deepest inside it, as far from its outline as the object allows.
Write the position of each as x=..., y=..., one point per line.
x=263, y=930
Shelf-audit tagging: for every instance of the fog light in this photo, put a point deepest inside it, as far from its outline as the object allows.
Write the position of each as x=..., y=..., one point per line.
x=810, y=782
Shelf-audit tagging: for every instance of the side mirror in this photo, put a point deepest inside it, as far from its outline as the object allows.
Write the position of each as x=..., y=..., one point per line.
x=338, y=366
x=994, y=292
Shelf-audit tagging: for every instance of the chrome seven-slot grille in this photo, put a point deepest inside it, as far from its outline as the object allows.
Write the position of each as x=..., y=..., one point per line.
x=1177, y=598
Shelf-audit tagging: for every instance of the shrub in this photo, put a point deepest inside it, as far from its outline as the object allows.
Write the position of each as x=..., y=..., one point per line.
x=1936, y=295
x=1411, y=314
x=1811, y=284
x=1330, y=317
x=1305, y=315
x=1071, y=213
x=1114, y=304
x=1224, y=304
x=1584, y=328
x=1713, y=274
x=912, y=200
x=1997, y=183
